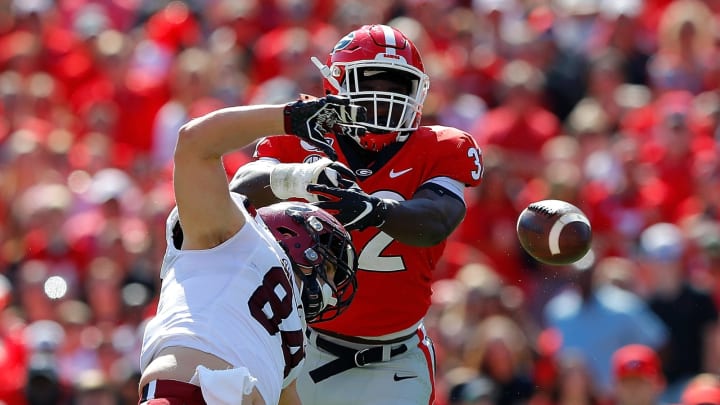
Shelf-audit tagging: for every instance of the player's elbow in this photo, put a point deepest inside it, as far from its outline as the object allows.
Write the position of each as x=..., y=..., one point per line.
x=189, y=141
x=425, y=234
x=442, y=225
x=439, y=233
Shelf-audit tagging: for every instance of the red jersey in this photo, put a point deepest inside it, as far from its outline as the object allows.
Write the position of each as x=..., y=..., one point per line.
x=393, y=278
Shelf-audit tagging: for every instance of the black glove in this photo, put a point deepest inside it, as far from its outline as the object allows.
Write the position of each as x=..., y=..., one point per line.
x=354, y=208
x=337, y=174
x=311, y=119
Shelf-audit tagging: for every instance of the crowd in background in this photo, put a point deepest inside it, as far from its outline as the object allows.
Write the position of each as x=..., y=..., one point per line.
x=612, y=105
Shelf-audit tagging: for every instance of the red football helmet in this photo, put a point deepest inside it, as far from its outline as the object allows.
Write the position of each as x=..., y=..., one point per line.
x=379, y=52
x=312, y=239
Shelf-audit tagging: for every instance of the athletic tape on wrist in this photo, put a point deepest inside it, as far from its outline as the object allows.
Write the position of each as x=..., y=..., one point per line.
x=290, y=180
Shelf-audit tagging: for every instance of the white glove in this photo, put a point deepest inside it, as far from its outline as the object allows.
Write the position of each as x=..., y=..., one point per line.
x=290, y=180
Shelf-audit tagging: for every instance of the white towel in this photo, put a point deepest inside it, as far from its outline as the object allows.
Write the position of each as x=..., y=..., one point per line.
x=224, y=387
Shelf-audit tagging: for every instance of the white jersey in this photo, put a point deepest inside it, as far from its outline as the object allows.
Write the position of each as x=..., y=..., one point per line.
x=237, y=301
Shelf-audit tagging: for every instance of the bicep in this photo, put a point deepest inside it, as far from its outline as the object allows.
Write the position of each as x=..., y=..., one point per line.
x=208, y=214
x=445, y=205
x=426, y=219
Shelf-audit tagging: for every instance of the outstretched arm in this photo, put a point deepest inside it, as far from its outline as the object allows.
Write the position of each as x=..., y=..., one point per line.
x=207, y=212
x=267, y=181
x=425, y=220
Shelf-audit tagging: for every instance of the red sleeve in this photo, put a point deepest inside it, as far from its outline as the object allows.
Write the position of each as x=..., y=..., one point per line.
x=285, y=148
x=457, y=156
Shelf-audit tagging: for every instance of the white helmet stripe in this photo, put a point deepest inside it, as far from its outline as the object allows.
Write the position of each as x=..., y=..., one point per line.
x=389, y=39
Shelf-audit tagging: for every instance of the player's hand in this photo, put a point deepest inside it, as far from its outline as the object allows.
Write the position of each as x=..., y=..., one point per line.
x=290, y=180
x=354, y=208
x=336, y=174
x=311, y=119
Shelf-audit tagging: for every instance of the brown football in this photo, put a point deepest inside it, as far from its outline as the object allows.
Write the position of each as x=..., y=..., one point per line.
x=554, y=232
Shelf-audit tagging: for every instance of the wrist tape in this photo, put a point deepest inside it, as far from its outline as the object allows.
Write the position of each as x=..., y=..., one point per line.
x=290, y=180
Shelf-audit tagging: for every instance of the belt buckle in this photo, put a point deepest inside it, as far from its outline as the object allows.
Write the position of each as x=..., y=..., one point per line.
x=359, y=358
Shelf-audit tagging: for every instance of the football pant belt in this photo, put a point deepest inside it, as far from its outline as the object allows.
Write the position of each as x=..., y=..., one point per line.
x=348, y=358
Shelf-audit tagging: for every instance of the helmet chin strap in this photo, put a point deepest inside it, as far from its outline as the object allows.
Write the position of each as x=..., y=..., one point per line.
x=326, y=292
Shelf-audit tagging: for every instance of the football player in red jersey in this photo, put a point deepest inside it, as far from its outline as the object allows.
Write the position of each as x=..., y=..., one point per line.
x=398, y=187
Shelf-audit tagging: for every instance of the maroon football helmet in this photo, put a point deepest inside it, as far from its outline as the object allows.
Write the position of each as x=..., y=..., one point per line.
x=312, y=238
x=378, y=52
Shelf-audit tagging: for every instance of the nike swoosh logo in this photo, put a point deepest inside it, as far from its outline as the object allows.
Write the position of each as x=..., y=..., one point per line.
x=403, y=377
x=366, y=211
x=394, y=174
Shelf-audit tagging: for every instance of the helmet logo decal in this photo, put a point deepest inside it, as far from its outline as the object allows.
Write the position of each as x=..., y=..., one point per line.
x=344, y=42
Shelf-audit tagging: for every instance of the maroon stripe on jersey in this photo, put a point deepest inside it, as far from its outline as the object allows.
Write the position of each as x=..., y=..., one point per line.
x=171, y=392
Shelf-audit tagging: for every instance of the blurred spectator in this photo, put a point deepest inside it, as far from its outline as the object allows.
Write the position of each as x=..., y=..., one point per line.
x=103, y=291
x=128, y=388
x=615, y=197
x=283, y=51
x=33, y=302
x=620, y=272
x=490, y=221
x=14, y=362
x=469, y=388
x=575, y=382
x=621, y=30
x=703, y=388
x=605, y=80
x=575, y=24
x=42, y=210
x=561, y=176
x=190, y=80
x=76, y=354
x=565, y=68
x=479, y=294
x=685, y=41
x=594, y=320
x=704, y=253
x=499, y=349
x=689, y=313
x=92, y=388
x=670, y=146
x=43, y=386
x=519, y=127
x=637, y=375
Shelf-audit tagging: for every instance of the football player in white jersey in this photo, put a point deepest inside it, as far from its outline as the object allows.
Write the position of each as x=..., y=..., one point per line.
x=238, y=285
